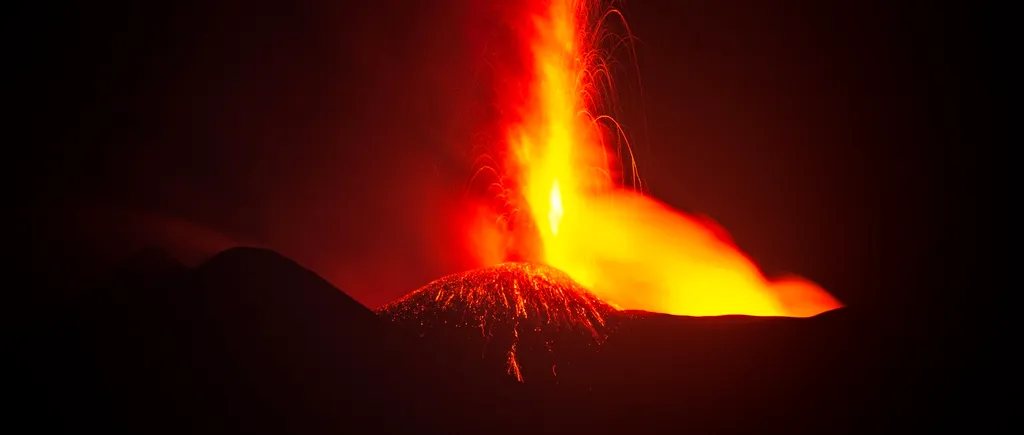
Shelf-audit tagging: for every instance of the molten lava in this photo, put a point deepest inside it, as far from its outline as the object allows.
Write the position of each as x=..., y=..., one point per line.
x=531, y=319
x=625, y=247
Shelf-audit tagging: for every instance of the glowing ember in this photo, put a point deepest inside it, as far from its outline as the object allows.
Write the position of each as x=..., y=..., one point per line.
x=531, y=319
x=624, y=246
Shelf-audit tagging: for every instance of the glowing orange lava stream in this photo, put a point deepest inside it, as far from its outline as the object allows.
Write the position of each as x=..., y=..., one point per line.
x=627, y=248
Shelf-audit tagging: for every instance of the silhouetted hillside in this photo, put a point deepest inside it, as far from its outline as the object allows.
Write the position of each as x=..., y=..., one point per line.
x=248, y=342
x=844, y=371
x=251, y=342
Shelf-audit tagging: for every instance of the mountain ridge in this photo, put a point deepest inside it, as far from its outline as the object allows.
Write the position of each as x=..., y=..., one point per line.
x=252, y=342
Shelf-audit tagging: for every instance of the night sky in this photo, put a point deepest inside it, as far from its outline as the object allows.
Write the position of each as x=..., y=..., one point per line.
x=845, y=143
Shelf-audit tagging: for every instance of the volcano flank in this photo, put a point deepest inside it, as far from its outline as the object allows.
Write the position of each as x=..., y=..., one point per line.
x=163, y=348
x=533, y=320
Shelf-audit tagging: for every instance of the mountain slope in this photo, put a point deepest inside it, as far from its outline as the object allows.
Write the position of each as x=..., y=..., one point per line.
x=248, y=342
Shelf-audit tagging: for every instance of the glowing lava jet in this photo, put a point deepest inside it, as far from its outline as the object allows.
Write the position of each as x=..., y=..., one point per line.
x=625, y=247
x=574, y=217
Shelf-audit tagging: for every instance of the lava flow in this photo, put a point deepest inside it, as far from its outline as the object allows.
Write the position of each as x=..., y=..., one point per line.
x=508, y=308
x=563, y=148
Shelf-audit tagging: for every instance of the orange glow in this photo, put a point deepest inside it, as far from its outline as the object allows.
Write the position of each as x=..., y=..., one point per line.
x=627, y=248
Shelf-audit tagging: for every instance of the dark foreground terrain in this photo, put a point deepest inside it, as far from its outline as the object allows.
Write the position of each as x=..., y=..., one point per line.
x=251, y=342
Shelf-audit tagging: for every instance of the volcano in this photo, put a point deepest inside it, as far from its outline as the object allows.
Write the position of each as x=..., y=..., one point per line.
x=252, y=342
x=530, y=320
x=163, y=348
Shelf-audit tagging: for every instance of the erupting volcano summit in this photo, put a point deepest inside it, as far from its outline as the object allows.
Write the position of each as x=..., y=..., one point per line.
x=533, y=319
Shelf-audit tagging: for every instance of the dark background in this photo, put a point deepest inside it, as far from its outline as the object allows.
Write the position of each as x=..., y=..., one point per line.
x=847, y=143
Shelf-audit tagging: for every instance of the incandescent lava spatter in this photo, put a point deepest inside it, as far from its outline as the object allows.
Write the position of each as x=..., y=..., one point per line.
x=531, y=321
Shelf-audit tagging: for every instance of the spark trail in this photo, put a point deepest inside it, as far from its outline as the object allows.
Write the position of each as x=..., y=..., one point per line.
x=510, y=308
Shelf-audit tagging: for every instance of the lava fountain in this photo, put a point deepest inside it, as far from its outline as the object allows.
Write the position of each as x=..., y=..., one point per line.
x=585, y=237
x=563, y=149
x=571, y=242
